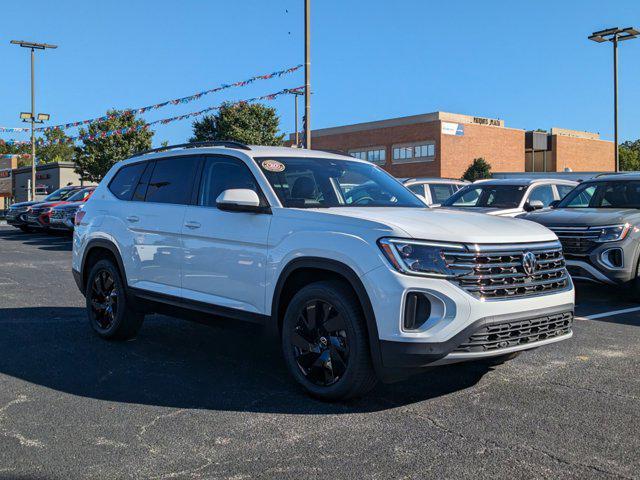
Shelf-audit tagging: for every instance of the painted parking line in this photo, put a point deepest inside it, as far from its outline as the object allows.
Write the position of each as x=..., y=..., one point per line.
x=609, y=314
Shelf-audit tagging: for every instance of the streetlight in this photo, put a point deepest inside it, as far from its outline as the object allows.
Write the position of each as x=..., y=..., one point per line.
x=615, y=35
x=31, y=116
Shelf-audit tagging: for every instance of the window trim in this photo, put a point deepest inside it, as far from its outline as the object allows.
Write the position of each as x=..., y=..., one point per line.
x=413, y=159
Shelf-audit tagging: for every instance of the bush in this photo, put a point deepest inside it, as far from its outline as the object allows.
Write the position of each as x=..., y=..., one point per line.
x=478, y=170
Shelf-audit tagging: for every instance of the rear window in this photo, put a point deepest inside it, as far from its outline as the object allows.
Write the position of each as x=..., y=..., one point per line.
x=126, y=180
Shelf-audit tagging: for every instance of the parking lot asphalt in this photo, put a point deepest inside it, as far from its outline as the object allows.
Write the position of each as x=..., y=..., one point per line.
x=186, y=400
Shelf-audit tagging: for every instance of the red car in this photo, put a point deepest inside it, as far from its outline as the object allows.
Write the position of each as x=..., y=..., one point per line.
x=39, y=215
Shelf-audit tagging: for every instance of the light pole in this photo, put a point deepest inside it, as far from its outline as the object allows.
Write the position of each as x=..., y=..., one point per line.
x=31, y=117
x=307, y=73
x=296, y=94
x=615, y=35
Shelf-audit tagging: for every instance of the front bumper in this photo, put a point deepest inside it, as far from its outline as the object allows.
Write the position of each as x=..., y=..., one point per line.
x=458, y=316
x=593, y=267
x=16, y=219
x=485, y=338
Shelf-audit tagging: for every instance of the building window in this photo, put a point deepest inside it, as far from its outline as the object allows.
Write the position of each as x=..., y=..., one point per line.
x=416, y=152
x=373, y=154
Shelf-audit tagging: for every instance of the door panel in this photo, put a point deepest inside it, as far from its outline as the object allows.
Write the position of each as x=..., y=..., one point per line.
x=156, y=223
x=225, y=252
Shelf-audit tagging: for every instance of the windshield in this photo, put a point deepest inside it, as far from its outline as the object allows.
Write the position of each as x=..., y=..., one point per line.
x=488, y=196
x=60, y=194
x=324, y=183
x=80, y=195
x=618, y=194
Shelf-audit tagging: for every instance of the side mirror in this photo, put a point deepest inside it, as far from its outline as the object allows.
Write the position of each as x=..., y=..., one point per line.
x=554, y=204
x=533, y=205
x=240, y=200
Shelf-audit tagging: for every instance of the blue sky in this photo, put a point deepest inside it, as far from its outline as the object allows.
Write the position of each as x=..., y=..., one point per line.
x=528, y=63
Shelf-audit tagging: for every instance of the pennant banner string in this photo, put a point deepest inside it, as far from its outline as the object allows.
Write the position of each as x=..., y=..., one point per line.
x=164, y=121
x=175, y=101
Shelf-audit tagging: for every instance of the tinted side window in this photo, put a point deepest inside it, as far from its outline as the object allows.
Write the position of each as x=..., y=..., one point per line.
x=141, y=189
x=417, y=188
x=563, y=190
x=544, y=193
x=172, y=180
x=126, y=180
x=224, y=173
x=441, y=191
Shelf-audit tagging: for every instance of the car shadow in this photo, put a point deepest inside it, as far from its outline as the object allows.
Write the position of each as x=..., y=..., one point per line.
x=54, y=241
x=181, y=364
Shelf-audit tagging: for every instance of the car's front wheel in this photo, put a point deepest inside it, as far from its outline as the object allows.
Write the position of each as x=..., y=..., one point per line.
x=108, y=308
x=324, y=341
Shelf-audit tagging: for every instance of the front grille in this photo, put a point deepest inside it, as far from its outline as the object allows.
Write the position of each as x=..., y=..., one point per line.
x=57, y=215
x=35, y=212
x=497, y=271
x=576, y=240
x=517, y=333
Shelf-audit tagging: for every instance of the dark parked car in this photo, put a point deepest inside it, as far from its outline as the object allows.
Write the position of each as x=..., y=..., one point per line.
x=17, y=213
x=598, y=224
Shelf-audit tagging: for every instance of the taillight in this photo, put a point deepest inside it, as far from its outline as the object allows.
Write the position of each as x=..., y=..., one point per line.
x=79, y=216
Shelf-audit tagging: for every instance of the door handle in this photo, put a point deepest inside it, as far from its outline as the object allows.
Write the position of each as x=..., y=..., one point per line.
x=192, y=225
x=132, y=219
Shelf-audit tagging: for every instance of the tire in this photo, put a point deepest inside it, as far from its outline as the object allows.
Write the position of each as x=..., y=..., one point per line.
x=110, y=314
x=495, y=361
x=328, y=353
x=26, y=229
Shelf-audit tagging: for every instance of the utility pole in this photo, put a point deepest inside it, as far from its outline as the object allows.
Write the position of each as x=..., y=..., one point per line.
x=307, y=73
x=31, y=116
x=615, y=35
x=296, y=94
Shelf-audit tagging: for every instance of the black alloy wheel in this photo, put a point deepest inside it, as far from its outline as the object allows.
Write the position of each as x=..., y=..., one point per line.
x=111, y=313
x=104, y=299
x=320, y=344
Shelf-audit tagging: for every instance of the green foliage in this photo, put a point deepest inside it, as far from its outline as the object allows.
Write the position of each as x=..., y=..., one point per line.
x=95, y=157
x=250, y=123
x=58, y=152
x=478, y=170
x=629, y=155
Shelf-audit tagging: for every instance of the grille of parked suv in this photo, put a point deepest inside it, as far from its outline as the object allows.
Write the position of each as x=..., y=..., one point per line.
x=37, y=211
x=498, y=271
x=517, y=333
x=576, y=240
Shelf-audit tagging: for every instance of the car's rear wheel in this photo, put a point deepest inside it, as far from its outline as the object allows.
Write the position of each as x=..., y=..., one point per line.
x=108, y=308
x=324, y=341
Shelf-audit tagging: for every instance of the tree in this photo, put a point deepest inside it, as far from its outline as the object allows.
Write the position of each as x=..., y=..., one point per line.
x=97, y=155
x=478, y=170
x=629, y=155
x=250, y=123
x=62, y=151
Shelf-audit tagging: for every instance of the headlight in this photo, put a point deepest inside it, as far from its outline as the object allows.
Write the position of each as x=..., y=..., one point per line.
x=611, y=233
x=417, y=257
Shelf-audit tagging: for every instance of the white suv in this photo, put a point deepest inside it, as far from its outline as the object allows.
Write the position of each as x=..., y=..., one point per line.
x=353, y=274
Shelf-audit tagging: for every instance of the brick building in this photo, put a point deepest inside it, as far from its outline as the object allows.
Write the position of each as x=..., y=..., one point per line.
x=443, y=144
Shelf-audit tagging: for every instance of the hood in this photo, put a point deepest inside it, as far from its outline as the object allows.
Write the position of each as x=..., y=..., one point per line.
x=583, y=217
x=51, y=204
x=69, y=205
x=24, y=204
x=451, y=225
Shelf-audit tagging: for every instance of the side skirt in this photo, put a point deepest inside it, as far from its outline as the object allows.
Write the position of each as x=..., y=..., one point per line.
x=190, y=309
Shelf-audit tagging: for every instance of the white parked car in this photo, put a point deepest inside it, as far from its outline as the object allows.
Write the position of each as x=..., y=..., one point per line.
x=434, y=191
x=356, y=284
x=509, y=197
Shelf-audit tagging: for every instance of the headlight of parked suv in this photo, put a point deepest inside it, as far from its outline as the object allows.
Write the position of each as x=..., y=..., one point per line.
x=417, y=257
x=612, y=233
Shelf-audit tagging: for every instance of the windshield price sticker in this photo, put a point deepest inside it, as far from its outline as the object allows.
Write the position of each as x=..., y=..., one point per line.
x=273, y=166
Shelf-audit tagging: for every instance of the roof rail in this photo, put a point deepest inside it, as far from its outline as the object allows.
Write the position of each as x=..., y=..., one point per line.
x=212, y=143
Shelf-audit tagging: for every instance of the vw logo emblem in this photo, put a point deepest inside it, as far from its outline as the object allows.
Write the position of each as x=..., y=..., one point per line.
x=529, y=263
